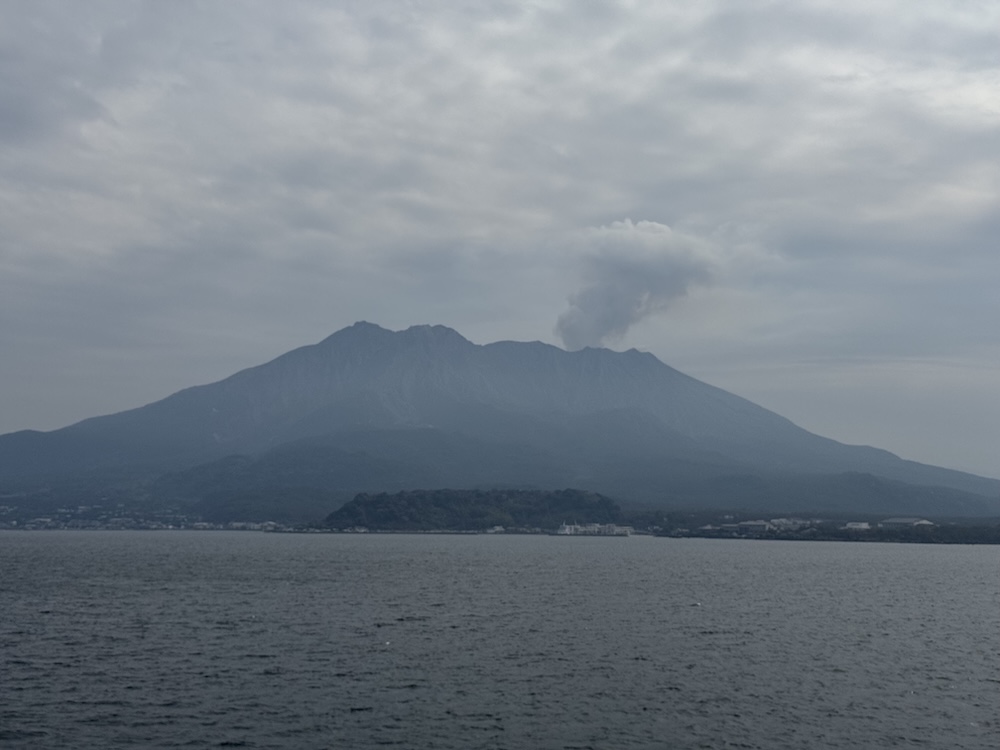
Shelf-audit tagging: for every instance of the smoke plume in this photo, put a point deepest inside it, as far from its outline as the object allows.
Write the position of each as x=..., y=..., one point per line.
x=631, y=271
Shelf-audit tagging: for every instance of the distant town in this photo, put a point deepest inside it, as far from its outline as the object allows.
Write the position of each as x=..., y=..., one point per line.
x=663, y=524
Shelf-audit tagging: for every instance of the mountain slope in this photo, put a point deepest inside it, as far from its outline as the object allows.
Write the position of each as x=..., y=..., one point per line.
x=350, y=412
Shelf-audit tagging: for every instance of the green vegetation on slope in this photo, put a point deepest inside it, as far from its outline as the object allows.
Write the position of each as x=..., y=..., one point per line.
x=473, y=510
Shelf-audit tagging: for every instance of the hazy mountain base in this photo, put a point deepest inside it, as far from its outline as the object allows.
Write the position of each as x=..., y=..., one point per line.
x=303, y=481
x=338, y=467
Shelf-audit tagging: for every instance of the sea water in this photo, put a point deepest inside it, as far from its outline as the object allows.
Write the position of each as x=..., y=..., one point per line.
x=240, y=639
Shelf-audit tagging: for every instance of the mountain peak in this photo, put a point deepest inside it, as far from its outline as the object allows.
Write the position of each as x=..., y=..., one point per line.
x=435, y=333
x=366, y=336
x=363, y=328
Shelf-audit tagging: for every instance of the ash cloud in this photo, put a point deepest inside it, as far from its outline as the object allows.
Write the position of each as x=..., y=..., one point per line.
x=632, y=271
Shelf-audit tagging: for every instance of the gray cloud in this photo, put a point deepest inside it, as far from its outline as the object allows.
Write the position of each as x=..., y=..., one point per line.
x=189, y=187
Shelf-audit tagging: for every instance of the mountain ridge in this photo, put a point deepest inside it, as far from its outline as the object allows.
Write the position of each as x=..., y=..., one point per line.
x=586, y=416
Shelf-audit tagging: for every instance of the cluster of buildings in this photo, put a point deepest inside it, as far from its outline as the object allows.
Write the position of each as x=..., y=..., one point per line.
x=593, y=529
x=114, y=517
x=779, y=525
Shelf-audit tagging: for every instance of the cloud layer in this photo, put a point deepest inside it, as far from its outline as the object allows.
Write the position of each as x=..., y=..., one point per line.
x=188, y=188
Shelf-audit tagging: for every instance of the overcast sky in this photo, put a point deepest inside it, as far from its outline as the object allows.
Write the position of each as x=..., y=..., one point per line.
x=796, y=201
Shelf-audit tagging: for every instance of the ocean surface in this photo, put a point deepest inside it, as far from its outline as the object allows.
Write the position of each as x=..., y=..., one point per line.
x=239, y=639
